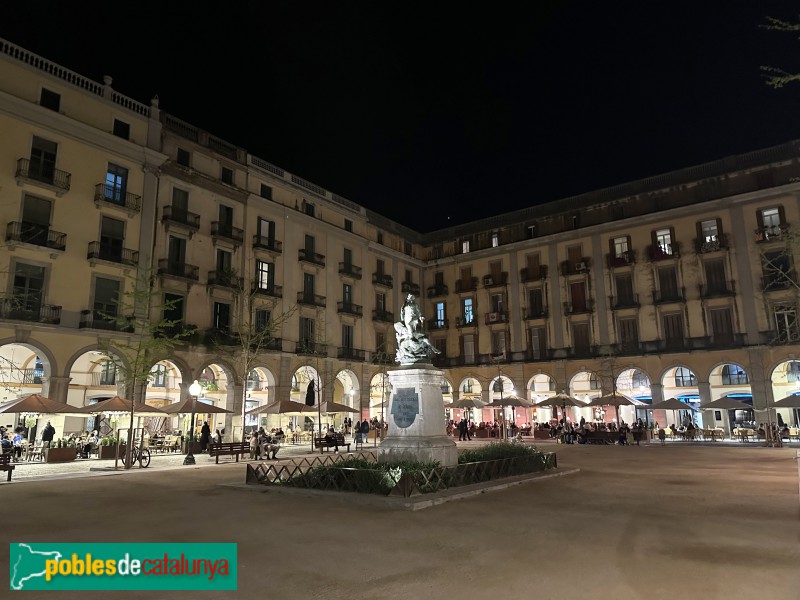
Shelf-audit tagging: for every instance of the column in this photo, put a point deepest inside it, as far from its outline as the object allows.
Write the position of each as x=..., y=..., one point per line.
x=707, y=416
x=56, y=388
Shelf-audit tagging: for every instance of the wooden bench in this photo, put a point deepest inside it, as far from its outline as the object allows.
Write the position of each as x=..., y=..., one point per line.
x=320, y=443
x=5, y=464
x=228, y=449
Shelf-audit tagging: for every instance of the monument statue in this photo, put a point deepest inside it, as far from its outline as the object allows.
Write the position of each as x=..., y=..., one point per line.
x=413, y=346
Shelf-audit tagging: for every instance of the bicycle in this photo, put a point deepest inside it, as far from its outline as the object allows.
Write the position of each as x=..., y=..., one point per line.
x=140, y=455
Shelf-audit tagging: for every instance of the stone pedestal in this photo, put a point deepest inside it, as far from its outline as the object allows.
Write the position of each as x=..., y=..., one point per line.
x=417, y=428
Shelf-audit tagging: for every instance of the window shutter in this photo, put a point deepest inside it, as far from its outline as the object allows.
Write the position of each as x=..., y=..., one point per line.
x=653, y=239
x=719, y=228
x=611, y=248
x=782, y=215
x=760, y=219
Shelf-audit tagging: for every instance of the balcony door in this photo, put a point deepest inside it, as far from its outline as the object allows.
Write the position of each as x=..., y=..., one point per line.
x=35, y=220
x=112, y=236
x=28, y=287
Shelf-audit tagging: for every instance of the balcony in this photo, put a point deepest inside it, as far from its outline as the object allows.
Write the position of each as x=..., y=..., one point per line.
x=492, y=318
x=266, y=243
x=777, y=282
x=226, y=231
x=44, y=175
x=104, y=379
x=623, y=259
x=383, y=280
x=627, y=348
x=537, y=312
x=437, y=324
x=436, y=291
x=719, y=289
x=311, y=348
x=220, y=336
x=409, y=288
x=310, y=299
x=380, y=357
x=773, y=233
x=309, y=256
x=91, y=319
x=495, y=280
x=349, y=270
x=177, y=331
x=578, y=309
x=36, y=235
x=273, y=291
x=466, y=285
x=112, y=253
x=265, y=344
x=178, y=270
x=383, y=315
x=712, y=244
x=667, y=296
x=182, y=218
x=348, y=308
x=112, y=195
x=624, y=301
x=579, y=267
x=533, y=274
x=345, y=353
x=226, y=279
x=28, y=309
x=665, y=252
x=462, y=322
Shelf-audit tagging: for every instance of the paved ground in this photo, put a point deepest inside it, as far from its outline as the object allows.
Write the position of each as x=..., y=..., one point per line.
x=639, y=522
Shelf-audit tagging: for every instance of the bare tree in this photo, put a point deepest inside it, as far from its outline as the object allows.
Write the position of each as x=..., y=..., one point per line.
x=778, y=77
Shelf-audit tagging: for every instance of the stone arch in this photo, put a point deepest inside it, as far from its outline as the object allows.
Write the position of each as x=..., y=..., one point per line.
x=15, y=372
x=347, y=388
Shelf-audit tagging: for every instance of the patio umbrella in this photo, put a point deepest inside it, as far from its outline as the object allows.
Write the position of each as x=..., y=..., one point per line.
x=191, y=405
x=513, y=401
x=672, y=404
x=35, y=404
x=790, y=401
x=468, y=402
x=279, y=407
x=726, y=403
x=121, y=405
x=331, y=407
x=614, y=399
x=563, y=400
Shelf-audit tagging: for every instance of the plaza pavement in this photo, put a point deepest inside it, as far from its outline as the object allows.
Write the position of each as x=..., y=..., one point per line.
x=635, y=522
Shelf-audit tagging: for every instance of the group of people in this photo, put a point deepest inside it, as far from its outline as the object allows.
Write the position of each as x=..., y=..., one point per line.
x=264, y=445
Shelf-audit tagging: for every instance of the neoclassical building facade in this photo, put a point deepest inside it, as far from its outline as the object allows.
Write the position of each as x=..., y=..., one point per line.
x=680, y=285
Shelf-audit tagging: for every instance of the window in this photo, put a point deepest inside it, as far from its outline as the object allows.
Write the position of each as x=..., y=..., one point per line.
x=621, y=246
x=226, y=218
x=180, y=204
x=266, y=191
x=715, y=276
x=308, y=208
x=734, y=375
x=464, y=246
x=28, y=288
x=673, y=330
x=581, y=339
x=347, y=336
x=438, y=279
x=438, y=310
x=262, y=318
x=441, y=345
x=43, y=160
x=222, y=316
x=112, y=237
x=380, y=237
x=108, y=373
x=499, y=343
x=577, y=296
x=407, y=248
x=307, y=332
x=308, y=287
x=663, y=240
x=49, y=99
x=498, y=303
x=176, y=254
x=777, y=268
x=347, y=295
x=264, y=275
x=771, y=218
x=467, y=387
x=628, y=334
x=173, y=308
x=309, y=246
x=379, y=267
x=226, y=175
x=122, y=129
x=380, y=302
x=253, y=381
x=223, y=262
x=623, y=282
x=495, y=239
x=380, y=343
x=469, y=349
x=709, y=231
x=408, y=276
x=668, y=283
x=35, y=220
x=594, y=382
x=184, y=158
x=640, y=380
x=786, y=325
x=466, y=311
x=538, y=343
x=266, y=232
x=116, y=183
x=684, y=378
x=348, y=225
x=158, y=376
x=106, y=300
x=793, y=372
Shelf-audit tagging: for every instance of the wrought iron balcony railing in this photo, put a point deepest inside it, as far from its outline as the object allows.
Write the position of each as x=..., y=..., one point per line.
x=176, y=269
x=664, y=296
x=436, y=291
x=227, y=231
x=382, y=279
x=621, y=260
x=350, y=270
x=92, y=319
x=346, y=353
x=35, y=234
x=624, y=301
x=112, y=253
x=348, y=308
x=383, y=315
x=274, y=291
x=224, y=278
x=495, y=280
x=308, y=256
x=714, y=244
x=180, y=216
x=409, y=288
x=310, y=299
x=496, y=317
x=29, y=309
x=533, y=274
x=40, y=172
x=466, y=285
x=117, y=196
x=314, y=348
x=266, y=243
x=721, y=288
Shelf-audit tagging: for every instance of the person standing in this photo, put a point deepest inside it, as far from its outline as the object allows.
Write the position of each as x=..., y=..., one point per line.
x=48, y=433
x=205, y=436
x=364, y=431
x=463, y=430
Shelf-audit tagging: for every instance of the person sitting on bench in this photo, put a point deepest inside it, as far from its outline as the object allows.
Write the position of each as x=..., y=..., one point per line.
x=269, y=445
x=331, y=440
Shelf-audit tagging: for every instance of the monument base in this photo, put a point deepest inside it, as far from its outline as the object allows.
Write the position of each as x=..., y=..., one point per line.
x=417, y=428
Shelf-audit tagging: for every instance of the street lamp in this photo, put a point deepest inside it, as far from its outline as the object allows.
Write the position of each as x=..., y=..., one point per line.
x=194, y=392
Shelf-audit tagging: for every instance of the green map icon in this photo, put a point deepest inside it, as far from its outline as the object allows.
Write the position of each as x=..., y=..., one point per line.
x=28, y=564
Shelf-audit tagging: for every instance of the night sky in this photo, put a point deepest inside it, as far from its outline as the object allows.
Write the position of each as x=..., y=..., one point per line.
x=439, y=113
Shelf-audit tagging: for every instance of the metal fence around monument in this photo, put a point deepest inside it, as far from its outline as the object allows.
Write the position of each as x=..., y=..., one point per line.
x=321, y=473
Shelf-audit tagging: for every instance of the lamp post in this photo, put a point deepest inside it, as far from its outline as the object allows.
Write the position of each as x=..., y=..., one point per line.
x=194, y=392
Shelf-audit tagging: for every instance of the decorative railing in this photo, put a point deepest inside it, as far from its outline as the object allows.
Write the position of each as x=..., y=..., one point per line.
x=350, y=270
x=409, y=288
x=181, y=216
x=25, y=309
x=310, y=256
x=533, y=274
x=382, y=279
x=117, y=196
x=227, y=231
x=43, y=173
x=348, y=308
x=267, y=243
x=35, y=234
x=310, y=299
x=176, y=269
x=112, y=253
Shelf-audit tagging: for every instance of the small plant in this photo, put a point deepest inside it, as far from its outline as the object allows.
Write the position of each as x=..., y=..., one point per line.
x=108, y=440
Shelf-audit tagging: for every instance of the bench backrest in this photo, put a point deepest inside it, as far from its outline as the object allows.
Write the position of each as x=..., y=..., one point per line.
x=229, y=446
x=5, y=459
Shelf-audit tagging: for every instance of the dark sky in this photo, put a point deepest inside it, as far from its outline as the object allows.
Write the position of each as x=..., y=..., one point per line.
x=439, y=113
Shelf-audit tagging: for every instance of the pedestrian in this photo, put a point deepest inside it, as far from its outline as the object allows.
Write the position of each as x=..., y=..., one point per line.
x=364, y=431
x=205, y=436
x=463, y=430
x=48, y=433
x=254, y=447
x=217, y=437
x=662, y=436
